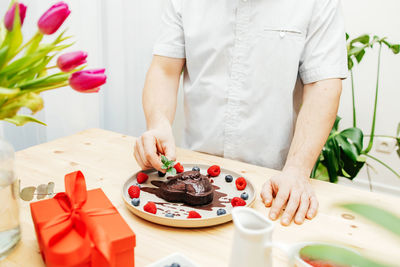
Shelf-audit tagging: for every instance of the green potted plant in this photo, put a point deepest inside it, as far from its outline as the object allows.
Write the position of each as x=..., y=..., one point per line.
x=344, y=153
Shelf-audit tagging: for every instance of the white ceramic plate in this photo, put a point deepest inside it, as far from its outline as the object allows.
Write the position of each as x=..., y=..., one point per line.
x=181, y=259
x=223, y=194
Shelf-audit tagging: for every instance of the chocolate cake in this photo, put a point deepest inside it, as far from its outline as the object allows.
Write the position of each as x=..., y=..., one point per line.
x=189, y=187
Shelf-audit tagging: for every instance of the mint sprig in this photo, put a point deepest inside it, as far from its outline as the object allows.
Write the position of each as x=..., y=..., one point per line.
x=168, y=165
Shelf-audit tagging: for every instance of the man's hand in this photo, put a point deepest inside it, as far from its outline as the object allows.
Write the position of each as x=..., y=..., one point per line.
x=314, y=122
x=154, y=143
x=293, y=188
x=159, y=105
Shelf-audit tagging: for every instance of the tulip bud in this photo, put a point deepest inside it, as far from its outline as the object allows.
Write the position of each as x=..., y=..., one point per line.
x=88, y=81
x=70, y=61
x=53, y=18
x=9, y=17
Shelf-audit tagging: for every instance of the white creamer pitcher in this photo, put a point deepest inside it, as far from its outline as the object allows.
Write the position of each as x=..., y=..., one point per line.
x=252, y=243
x=252, y=239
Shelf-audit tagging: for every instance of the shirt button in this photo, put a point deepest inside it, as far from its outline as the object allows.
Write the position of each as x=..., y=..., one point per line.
x=240, y=38
x=244, y=0
x=282, y=34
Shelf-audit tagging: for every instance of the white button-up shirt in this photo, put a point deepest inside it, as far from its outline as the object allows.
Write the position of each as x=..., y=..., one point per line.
x=246, y=63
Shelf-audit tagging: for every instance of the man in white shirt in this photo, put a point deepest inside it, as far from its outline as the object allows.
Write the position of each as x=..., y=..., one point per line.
x=262, y=83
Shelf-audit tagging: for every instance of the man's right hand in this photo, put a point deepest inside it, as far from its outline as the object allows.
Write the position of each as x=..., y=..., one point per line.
x=154, y=143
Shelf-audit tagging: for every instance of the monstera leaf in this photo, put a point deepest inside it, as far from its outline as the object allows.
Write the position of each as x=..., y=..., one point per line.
x=341, y=154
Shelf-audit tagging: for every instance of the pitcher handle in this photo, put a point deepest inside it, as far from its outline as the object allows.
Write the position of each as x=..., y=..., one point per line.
x=285, y=248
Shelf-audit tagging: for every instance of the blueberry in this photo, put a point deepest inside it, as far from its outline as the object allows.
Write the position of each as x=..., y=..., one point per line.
x=196, y=169
x=135, y=202
x=221, y=212
x=169, y=215
x=244, y=196
x=228, y=178
x=161, y=174
x=175, y=264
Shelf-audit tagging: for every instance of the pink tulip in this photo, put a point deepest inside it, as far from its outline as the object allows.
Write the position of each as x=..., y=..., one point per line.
x=88, y=81
x=53, y=18
x=9, y=17
x=70, y=61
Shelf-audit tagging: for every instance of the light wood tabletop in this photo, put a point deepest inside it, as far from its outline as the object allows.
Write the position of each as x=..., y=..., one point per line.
x=106, y=159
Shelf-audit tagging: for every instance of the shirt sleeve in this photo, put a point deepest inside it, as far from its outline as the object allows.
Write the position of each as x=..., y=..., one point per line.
x=171, y=42
x=325, y=53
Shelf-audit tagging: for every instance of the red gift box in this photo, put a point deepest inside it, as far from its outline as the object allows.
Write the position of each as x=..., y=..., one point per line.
x=82, y=228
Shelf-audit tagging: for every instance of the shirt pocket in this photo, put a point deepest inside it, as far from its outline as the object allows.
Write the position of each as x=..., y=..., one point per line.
x=278, y=42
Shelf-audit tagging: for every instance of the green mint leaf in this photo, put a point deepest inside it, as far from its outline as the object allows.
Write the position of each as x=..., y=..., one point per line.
x=164, y=159
x=171, y=171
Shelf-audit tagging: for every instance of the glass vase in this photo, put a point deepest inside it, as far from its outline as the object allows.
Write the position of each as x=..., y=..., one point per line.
x=10, y=232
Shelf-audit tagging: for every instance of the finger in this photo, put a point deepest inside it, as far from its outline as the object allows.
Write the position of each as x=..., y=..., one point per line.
x=168, y=149
x=303, y=208
x=312, y=211
x=266, y=194
x=150, y=150
x=278, y=203
x=142, y=154
x=293, y=204
x=137, y=156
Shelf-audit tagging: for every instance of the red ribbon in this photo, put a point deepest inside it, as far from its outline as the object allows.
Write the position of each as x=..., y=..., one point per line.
x=78, y=219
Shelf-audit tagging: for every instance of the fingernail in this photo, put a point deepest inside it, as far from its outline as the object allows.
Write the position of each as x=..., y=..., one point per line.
x=285, y=221
x=273, y=215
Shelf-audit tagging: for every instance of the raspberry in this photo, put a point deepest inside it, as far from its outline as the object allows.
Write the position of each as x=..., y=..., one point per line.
x=237, y=201
x=193, y=214
x=214, y=170
x=134, y=191
x=240, y=183
x=318, y=263
x=178, y=167
x=141, y=177
x=150, y=207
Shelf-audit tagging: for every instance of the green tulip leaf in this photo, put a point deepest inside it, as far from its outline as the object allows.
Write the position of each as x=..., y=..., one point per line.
x=3, y=33
x=337, y=255
x=20, y=120
x=26, y=61
x=46, y=81
x=29, y=100
x=34, y=44
x=13, y=38
x=8, y=92
x=30, y=72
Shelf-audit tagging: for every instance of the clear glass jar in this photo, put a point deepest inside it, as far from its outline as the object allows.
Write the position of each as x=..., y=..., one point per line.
x=10, y=232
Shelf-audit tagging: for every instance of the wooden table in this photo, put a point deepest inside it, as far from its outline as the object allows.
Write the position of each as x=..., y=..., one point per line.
x=107, y=161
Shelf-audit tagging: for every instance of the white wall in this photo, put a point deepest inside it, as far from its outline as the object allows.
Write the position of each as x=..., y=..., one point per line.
x=119, y=34
x=380, y=18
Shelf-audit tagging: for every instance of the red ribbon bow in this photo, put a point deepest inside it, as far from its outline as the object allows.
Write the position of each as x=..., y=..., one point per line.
x=78, y=219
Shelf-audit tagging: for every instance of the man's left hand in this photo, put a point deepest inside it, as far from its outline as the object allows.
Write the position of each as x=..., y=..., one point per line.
x=293, y=188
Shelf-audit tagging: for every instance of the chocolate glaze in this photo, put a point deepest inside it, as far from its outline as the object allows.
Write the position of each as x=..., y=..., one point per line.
x=189, y=187
x=219, y=199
